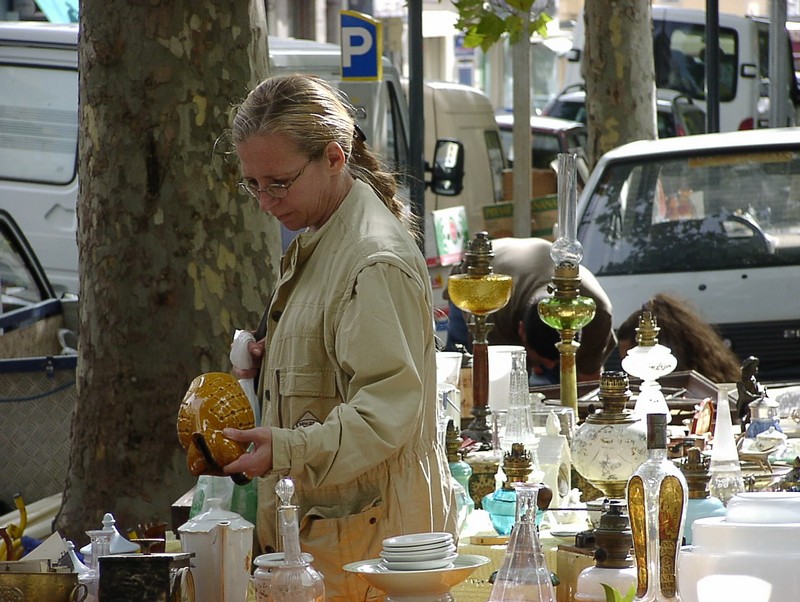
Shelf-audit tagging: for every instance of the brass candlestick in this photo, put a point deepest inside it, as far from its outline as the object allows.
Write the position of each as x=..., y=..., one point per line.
x=567, y=311
x=479, y=292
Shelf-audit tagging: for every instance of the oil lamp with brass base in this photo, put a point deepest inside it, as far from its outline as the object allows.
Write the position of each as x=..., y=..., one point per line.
x=649, y=361
x=567, y=311
x=479, y=292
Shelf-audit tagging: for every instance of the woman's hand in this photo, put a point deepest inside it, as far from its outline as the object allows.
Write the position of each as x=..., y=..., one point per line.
x=256, y=349
x=257, y=461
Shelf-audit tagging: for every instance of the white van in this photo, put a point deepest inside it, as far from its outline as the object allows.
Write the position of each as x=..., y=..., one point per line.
x=466, y=114
x=39, y=141
x=679, y=36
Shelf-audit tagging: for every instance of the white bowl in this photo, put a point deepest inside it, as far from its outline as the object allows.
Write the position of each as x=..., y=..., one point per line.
x=418, y=555
x=418, y=541
x=420, y=565
x=416, y=583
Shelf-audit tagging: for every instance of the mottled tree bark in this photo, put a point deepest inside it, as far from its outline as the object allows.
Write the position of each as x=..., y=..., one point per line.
x=619, y=74
x=172, y=257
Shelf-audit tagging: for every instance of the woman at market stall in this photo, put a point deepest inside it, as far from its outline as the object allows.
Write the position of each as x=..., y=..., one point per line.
x=347, y=368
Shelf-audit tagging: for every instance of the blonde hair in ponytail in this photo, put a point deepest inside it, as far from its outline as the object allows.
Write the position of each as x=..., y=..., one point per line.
x=312, y=113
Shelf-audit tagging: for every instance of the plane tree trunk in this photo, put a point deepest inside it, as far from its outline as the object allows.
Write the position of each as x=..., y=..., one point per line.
x=619, y=74
x=172, y=257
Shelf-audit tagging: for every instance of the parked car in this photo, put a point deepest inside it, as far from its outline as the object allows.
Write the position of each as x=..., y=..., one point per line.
x=676, y=113
x=549, y=137
x=713, y=218
x=31, y=313
x=38, y=343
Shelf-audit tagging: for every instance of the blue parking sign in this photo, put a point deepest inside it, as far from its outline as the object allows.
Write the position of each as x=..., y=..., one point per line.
x=362, y=47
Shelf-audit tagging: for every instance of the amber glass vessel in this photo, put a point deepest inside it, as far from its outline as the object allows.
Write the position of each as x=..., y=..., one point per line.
x=479, y=295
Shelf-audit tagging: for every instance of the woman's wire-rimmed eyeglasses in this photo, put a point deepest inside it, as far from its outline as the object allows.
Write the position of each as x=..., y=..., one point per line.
x=276, y=190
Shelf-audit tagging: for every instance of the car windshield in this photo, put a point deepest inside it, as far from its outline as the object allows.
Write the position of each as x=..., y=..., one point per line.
x=709, y=212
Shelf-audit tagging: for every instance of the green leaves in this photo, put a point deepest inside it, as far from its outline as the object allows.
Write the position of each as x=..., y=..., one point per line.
x=485, y=22
x=612, y=595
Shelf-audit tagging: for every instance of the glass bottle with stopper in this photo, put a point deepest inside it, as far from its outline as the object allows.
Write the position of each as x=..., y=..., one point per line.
x=657, y=498
x=295, y=580
x=524, y=574
x=649, y=361
x=567, y=311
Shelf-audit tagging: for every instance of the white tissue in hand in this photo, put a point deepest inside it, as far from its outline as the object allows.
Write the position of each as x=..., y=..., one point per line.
x=240, y=354
x=242, y=360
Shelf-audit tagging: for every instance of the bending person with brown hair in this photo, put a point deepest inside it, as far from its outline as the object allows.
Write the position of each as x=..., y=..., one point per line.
x=694, y=343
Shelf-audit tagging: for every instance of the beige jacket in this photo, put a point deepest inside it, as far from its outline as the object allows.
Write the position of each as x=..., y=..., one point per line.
x=349, y=383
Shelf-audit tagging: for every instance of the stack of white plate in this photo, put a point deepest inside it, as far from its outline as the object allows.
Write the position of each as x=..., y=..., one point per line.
x=419, y=552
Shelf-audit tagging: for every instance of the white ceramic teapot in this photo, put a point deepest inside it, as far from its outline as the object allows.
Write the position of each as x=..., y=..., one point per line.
x=222, y=543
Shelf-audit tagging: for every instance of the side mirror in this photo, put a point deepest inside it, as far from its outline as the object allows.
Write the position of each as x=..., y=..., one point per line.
x=448, y=168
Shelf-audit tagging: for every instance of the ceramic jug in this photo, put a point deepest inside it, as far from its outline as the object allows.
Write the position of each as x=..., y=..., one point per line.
x=222, y=543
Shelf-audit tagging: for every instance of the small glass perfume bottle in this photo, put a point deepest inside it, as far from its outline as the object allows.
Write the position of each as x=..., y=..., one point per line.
x=657, y=498
x=524, y=574
x=295, y=580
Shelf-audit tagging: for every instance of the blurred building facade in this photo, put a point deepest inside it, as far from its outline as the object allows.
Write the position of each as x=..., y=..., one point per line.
x=446, y=58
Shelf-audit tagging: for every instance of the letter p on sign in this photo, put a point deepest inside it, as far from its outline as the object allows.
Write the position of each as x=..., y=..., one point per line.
x=362, y=47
